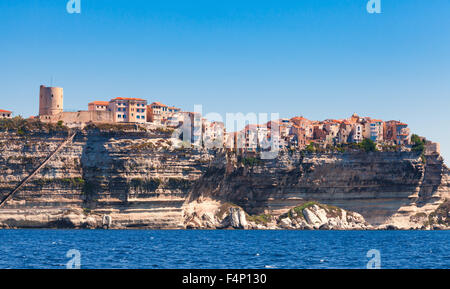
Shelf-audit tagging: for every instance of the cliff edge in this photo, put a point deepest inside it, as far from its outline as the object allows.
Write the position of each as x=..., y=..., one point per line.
x=134, y=178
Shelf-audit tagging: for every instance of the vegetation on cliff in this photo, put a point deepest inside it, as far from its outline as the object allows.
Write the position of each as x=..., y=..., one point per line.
x=418, y=143
x=24, y=126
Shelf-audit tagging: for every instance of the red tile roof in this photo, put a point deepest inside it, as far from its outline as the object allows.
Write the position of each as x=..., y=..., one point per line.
x=300, y=118
x=100, y=102
x=158, y=104
x=128, y=98
x=7, y=111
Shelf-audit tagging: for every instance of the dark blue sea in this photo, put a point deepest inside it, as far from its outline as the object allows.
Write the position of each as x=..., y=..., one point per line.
x=223, y=249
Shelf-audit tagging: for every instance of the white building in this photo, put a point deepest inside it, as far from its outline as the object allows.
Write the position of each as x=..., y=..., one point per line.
x=5, y=114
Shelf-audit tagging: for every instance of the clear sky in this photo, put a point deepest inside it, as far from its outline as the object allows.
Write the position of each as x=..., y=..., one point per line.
x=319, y=59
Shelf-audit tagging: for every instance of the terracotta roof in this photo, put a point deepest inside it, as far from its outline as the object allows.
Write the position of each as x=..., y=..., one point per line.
x=7, y=111
x=299, y=118
x=128, y=98
x=158, y=104
x=100, y=102
x=396, y=122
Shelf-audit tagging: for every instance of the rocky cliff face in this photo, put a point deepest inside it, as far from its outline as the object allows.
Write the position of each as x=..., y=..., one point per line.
x=138, y=179
x=135, y=178
x=386, y=188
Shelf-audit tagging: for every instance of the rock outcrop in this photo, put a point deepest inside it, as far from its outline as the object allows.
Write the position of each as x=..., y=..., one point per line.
x=384, y=187
x=138, y=179
x=308, y=216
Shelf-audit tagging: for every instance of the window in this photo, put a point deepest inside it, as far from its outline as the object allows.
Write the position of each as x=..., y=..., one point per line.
x=119, y=116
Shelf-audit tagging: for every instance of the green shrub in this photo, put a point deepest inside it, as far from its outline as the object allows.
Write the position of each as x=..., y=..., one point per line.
x=418, y=144
x=368, y=145
x=311, y=148
x=250, y=161
x=260, y=219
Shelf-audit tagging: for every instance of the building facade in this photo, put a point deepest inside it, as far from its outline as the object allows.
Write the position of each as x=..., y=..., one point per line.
x=159, y=113
x=128, y=110
x=5, y=114
x=98, y=106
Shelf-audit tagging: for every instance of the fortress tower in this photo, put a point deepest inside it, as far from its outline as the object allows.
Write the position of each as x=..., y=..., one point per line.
x=50, y=100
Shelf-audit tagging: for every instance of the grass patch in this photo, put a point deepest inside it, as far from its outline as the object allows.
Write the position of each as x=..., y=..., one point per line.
x=263, y=219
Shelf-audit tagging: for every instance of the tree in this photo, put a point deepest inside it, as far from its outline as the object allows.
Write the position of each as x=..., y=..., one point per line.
x=418, y=143
x=310, y=148
x=368, y=145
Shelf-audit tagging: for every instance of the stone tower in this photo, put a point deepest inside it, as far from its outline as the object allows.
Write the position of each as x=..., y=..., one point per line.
x=50, y=100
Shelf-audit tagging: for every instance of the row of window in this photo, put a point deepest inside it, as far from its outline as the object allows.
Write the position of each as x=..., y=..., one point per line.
x=137, y=104
x=137, y=110
x=125, y=116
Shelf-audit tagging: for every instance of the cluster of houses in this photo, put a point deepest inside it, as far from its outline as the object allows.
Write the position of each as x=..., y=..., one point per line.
x=300, y=132
x=295, y=132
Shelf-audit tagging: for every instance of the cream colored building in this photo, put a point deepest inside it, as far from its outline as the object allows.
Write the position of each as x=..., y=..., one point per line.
x=98, y=106
x=126, y=109
x=159, y=113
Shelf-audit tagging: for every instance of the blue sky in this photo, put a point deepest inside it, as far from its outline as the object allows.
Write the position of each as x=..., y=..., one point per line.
x=319, y=59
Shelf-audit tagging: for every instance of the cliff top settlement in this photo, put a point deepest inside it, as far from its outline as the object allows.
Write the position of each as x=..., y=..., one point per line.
x=297, y=131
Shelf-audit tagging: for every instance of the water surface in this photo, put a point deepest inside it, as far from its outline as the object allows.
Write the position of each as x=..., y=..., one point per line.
x=223, y=249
